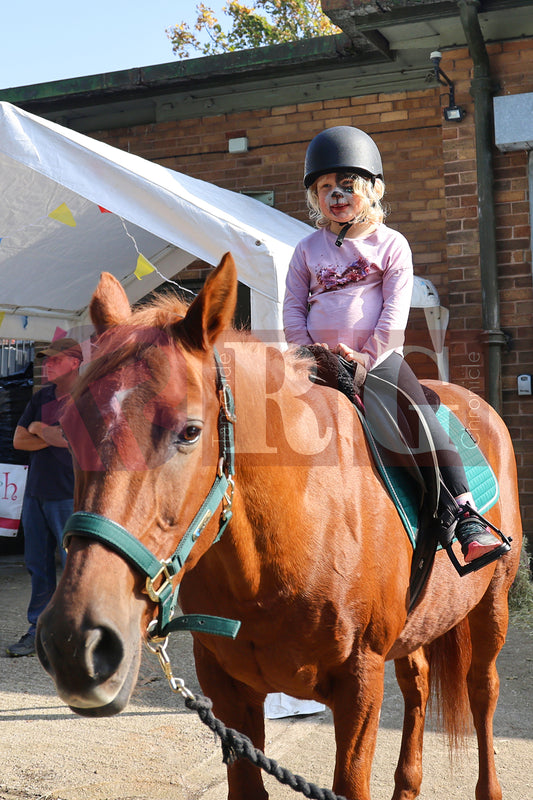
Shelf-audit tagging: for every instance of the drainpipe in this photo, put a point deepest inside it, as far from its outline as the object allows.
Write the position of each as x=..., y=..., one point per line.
x=482, y=89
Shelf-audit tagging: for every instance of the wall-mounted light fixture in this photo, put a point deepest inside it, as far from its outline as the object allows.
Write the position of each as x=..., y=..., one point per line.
x=452, y=112
x=238, y=145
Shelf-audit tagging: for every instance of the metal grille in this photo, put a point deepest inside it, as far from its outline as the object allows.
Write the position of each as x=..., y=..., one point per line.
x=15, y=355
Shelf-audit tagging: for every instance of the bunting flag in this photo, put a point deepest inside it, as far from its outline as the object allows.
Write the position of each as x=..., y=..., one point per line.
x=63, y=214
x=59, y=333
x=143, y=267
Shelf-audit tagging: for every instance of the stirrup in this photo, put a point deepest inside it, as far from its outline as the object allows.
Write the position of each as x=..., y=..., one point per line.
x=488, y=558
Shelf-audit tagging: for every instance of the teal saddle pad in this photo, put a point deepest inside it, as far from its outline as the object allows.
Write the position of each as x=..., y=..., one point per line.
x=481, y=478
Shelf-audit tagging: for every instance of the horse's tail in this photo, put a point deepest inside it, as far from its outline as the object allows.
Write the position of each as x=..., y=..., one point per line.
x=449, y=659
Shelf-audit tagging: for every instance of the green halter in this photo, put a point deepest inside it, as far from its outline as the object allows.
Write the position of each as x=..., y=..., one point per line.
x=95, y=526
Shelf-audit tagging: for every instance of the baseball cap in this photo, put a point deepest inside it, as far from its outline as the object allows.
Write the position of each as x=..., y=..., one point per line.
x=67, y=347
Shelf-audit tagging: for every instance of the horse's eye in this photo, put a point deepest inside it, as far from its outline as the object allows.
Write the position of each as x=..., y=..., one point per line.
x=190, y=433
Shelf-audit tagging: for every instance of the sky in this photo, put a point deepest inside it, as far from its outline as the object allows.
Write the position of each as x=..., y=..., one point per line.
x=67, y=39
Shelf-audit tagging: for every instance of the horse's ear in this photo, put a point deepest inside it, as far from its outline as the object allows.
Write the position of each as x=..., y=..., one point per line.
x=109, y=304
x=212, y=310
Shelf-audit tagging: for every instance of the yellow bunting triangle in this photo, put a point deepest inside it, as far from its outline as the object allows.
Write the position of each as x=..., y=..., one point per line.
x=2, y=315
x=143, y=267
x=63, y=214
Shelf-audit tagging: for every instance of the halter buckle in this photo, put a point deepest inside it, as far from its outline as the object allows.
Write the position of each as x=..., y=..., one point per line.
x=153, y=593
x=226, y=401
x=227, y=500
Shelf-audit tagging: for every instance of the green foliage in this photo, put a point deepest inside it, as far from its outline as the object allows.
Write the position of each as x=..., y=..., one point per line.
x=264, y=22
x=521, y=594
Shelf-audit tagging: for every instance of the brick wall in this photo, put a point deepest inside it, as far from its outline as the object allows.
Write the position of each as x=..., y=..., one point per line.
x=407, y=130
x=430, y=171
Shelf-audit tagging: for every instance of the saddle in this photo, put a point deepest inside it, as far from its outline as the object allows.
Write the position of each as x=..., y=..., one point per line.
x=418, y=492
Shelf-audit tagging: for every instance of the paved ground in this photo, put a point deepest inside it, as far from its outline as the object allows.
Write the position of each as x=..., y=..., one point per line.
x=157, y=750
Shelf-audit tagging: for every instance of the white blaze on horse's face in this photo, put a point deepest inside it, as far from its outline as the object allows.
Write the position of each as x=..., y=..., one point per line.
x=136, y=417
x=114, y=413
x=119, y=397
x=122, y=435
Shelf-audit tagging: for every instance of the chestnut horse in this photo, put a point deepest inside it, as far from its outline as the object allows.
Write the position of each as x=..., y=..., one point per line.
x=314, y=560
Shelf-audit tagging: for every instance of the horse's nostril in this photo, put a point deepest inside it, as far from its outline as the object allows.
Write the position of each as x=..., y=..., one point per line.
x=103, y=652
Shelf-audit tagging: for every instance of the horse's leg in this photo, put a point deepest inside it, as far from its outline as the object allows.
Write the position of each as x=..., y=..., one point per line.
x=488, y=628
x=412, y=674
x=239, y=708
x=356, y=703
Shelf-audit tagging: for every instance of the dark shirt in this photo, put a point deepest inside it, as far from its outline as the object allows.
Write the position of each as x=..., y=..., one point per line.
x=50, y=474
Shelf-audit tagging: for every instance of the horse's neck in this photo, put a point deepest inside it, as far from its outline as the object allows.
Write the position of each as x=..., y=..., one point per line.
x=288, y=455
x=282, y=418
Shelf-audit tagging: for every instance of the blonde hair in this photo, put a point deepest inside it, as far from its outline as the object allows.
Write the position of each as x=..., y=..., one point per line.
x=371, y=192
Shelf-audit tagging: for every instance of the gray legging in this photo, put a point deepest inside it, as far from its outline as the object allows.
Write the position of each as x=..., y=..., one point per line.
x=395, y=370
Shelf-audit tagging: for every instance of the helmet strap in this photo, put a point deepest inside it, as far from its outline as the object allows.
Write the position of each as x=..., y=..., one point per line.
x=342, y=233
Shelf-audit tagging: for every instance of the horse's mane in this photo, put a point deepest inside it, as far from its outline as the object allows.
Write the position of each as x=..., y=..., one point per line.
x=155, y=324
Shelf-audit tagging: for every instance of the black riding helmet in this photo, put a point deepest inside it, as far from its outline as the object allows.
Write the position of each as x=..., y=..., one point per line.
x=341, y=148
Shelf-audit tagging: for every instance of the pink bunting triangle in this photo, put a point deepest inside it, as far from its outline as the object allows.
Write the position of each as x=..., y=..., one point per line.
x=59, y=333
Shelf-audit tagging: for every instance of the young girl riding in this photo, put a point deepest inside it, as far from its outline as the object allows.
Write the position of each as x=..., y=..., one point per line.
x=349, y=289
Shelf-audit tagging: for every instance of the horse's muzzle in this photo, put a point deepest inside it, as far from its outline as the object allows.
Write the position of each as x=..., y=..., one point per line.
x=89, y=667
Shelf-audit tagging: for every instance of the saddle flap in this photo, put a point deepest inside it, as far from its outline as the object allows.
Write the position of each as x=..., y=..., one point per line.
x=393, y=437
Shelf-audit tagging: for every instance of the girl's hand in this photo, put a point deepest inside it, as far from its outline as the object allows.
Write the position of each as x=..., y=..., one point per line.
x=349, y=354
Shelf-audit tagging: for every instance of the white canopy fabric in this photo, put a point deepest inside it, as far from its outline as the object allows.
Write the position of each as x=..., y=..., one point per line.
x=56, y=235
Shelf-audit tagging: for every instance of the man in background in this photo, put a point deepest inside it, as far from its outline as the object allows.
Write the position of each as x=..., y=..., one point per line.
x=48, y=499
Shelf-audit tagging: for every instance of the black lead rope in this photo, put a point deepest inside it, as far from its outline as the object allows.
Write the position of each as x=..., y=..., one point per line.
x=236, y=745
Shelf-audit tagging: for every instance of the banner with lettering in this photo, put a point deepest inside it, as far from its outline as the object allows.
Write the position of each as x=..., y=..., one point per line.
x=12, y=485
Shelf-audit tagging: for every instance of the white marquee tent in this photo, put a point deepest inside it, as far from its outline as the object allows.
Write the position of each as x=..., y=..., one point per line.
x=71, y=206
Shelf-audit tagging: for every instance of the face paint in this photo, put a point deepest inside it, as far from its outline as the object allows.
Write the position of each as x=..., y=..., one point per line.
x=341, y=190
x=339, y=195
x=342, y=199
x=345, y=181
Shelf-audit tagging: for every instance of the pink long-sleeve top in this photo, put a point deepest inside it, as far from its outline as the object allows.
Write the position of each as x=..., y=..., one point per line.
x=358, y=294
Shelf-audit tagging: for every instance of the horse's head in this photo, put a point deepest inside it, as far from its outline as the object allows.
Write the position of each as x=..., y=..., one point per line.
x=144, y=416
